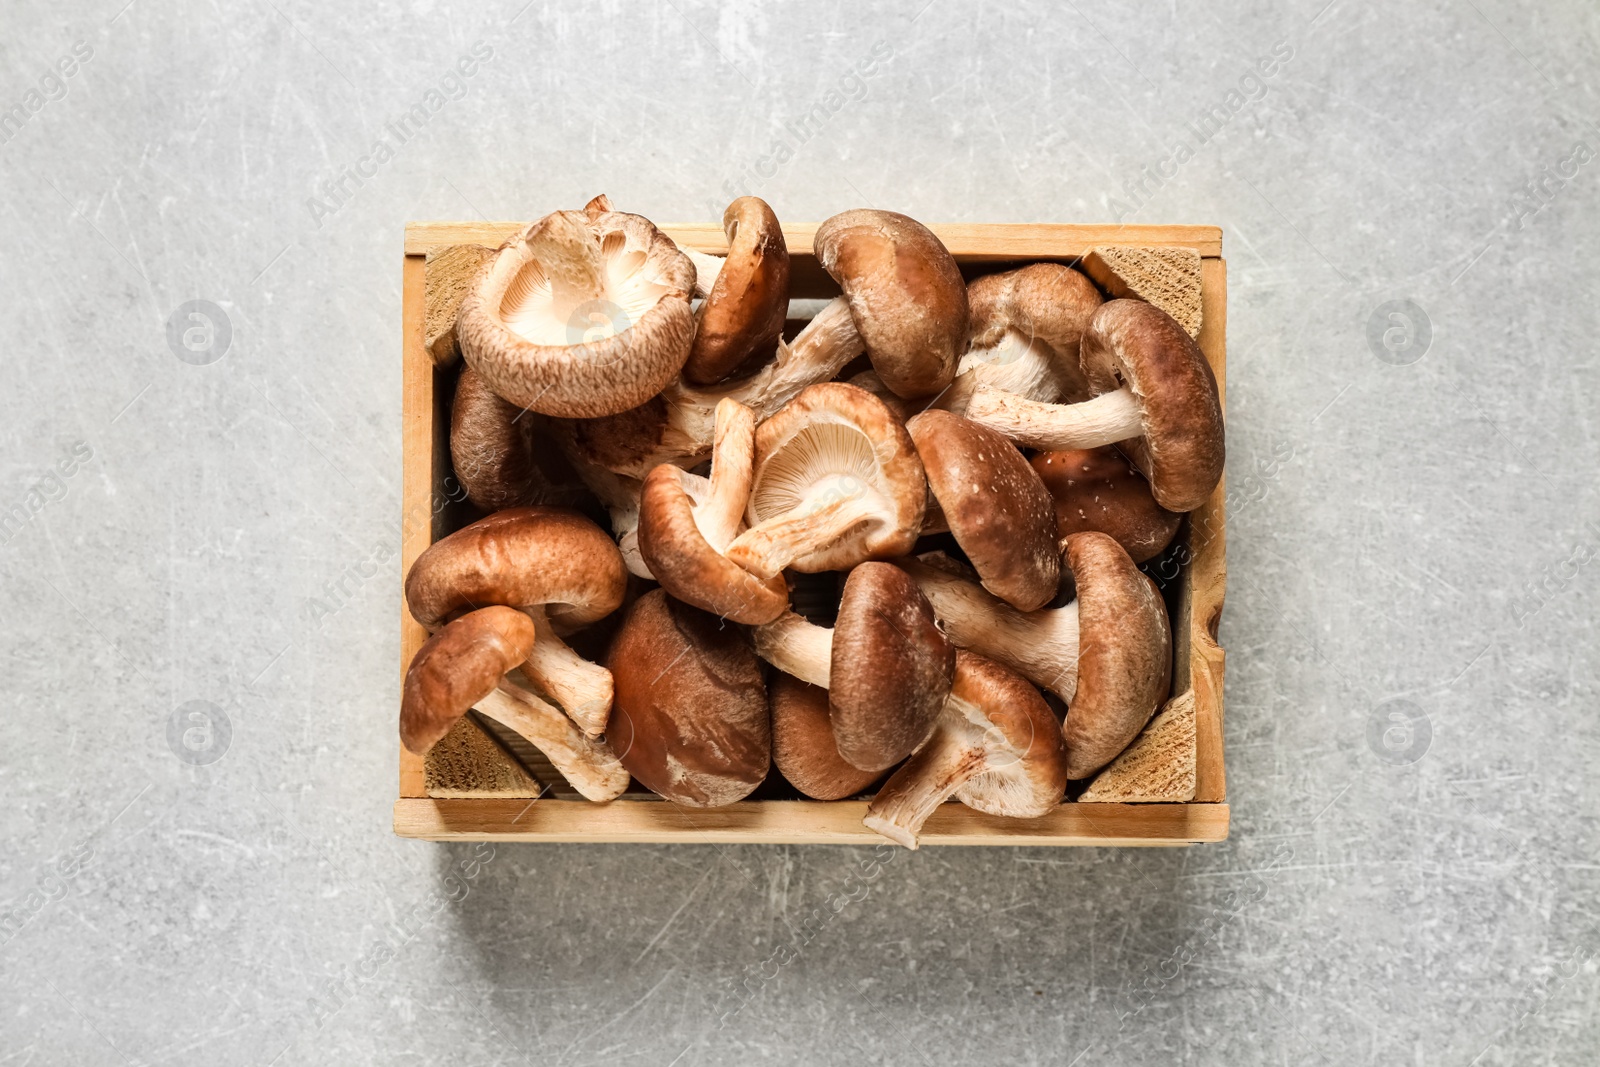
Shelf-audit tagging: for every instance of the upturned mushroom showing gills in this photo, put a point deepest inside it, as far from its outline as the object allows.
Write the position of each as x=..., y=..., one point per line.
x=905, y=293
x=1108, y=654
x=686, y=522
x=804, y=746
x=1098, y=489
x=555, y=565
x=837, y=481
x=581, y=314
x=1027, y=328
x=996, y=748
x=886, y=665
x=741, y=319
x=691, y=720
x=1154, y=396
x=994, y=504
x=464, y=666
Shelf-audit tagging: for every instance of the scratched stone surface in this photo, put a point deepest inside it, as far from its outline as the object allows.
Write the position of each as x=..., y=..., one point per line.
x=200, y=478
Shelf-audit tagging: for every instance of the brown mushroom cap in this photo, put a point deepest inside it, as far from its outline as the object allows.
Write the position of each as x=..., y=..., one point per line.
x=687, y=566
x=690, y=719
x=523, y=558
x=1181, y=451
x=1047, y=304
x=837, y=481
x=1124, y=652
x=997, y=749
x=742, y=317
x=994, y=504
x=456, y=668
x=1097, y=489
x=890, y=668
x=803, y=743
x=905, y=292
x=491, y=447
x=686, y=523
x=581, y=314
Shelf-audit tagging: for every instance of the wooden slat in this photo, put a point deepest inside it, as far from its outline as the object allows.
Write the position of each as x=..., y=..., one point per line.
x=975, y=242
x=416, y=445
x=1207, y=582
x=420, y=455
x=798, y=822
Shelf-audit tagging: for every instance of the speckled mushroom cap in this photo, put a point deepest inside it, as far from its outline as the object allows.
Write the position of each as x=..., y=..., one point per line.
x=1124, y=652
x=834, y=447
x=1047, y=303
x=742, y=317
x=1098, y=489
x=581, y=314
x=521, y=558
x=803, y=744
x=994, y=504
x=905, y=292
x=890, y=667
x=1181, y=450
x=690, y=719
x=456, y=668
x=687, y=565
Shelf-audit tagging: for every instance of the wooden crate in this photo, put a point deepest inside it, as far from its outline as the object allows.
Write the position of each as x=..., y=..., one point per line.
x=507, y=798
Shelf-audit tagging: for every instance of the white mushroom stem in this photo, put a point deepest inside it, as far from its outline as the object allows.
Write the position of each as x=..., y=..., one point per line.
x=590, y=766
x=1104, y=420
x=566, y=251
x=958, y=752
x=721, y=512
x=706, y=269
x=768, y=547
x=796, y=647
x=1042, y=645
x=583, y=689
x=1016, y=364
x=817, y=354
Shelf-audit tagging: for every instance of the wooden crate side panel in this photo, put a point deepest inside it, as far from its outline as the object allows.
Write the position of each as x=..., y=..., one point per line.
x=799, y=822
x=975, y=242
x=1206, y=587
x=420, y=458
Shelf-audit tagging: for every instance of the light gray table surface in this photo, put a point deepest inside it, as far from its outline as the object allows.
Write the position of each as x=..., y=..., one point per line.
x=1408, y=196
